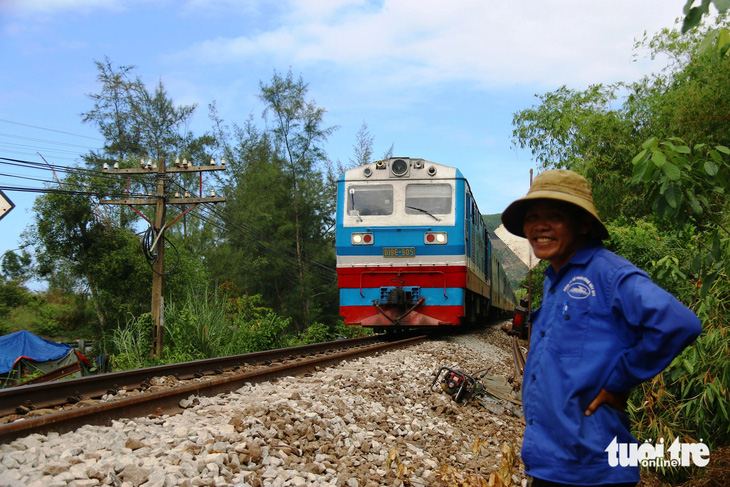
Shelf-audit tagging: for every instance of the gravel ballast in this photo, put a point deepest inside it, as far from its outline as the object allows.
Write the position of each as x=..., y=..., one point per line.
x=365, y=422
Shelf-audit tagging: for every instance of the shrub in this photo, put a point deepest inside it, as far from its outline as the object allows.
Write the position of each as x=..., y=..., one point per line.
x=196, y=327
x=317, y=333
x=132, y=344
x=264, y=334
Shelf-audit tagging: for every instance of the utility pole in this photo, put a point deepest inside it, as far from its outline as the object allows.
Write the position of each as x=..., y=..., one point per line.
x=529, y=285
x=161, y=200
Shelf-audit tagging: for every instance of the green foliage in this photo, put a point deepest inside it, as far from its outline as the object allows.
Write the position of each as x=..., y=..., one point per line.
x=298, y=132
x=51, y=314
x=691, y=184
x=658, y=251
x=316, y=333
x=683, y=181
x=693, y=15
x=537, y=278
x=344, y=331
x=196, y=327
x=132, y=344
x=280, y=208
x=639, y=241
x=687, y=184
x=267, y=333
x=16, y=267
x=690, y=400
x=133, y=120
x=557, y=130
x=76, y=249
x=12, y=295
x=582, y=131
x=202, y=325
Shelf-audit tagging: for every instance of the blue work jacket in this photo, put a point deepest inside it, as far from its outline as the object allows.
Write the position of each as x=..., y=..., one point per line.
x=602, y=323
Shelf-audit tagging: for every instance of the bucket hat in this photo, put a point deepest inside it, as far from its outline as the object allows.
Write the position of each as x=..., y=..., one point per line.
x=560, y=185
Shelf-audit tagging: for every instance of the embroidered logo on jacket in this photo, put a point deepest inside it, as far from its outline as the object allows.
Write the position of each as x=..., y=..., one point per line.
x=579, y=288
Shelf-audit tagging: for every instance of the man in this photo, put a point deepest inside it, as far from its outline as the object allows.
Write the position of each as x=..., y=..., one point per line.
x=603, y=327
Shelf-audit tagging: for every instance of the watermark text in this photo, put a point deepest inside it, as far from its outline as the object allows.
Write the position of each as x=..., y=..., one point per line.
x=648, y=455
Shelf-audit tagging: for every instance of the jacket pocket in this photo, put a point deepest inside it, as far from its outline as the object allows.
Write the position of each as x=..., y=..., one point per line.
x=566, y=335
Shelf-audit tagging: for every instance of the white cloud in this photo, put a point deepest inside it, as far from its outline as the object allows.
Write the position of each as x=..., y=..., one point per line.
x=426, y=41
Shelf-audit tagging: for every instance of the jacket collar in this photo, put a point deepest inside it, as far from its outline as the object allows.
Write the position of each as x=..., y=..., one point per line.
x=581, y=257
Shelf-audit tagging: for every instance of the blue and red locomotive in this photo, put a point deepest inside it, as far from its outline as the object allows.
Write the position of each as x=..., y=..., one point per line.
x=412, y=248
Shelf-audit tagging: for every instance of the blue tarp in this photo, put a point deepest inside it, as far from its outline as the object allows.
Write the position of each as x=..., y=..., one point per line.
x=25, y=344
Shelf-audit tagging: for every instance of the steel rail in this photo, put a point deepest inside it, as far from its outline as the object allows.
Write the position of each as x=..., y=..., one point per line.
x=517, y=355
x=51, y=394
x=167, y=401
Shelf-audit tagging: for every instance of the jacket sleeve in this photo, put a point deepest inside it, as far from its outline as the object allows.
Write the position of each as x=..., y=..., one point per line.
x=660, y=327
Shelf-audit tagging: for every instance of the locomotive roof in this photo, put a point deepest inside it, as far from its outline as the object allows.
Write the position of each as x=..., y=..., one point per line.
x=396, y=168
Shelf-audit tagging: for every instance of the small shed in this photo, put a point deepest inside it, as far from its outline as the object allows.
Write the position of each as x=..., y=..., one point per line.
x=23, y=353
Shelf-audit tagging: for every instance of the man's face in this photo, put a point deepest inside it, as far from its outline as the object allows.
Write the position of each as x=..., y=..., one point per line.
x=553, y=231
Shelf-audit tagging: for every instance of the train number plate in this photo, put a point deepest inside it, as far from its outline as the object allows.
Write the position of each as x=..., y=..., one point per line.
x=399, y=251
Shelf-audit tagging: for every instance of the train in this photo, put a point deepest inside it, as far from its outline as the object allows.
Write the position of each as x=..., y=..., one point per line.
x=413, y=250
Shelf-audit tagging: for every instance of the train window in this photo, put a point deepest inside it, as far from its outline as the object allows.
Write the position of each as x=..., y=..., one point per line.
x=428, y=198
x=371, y=199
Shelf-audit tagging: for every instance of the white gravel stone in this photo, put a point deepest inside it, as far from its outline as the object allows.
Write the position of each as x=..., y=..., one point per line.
x=350, y=425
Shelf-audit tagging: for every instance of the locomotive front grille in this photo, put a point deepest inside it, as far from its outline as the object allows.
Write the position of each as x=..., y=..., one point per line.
x=399, y=295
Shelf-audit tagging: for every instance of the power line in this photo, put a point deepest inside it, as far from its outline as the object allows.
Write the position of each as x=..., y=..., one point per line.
x=282, y=253
x=135, y=147
x=63, y=169
x=44, y=141
x=50, y=130
x=22, y=189
x=267, y=244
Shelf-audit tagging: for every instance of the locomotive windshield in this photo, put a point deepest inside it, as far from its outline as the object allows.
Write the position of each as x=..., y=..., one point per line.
x=431, y=199
x=370, y=200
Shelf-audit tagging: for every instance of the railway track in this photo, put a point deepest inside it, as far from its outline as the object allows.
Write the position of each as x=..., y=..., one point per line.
x=66, y=405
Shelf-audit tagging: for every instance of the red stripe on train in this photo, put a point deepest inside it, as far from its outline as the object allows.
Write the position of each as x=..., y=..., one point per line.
x=423, y=276
x=421, y=316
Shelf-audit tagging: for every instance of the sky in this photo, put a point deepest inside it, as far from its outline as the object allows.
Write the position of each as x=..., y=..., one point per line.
x=436, y=79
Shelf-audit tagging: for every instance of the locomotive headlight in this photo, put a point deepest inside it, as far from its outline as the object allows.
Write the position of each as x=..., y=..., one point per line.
x=435, y=238
x=361, y=239
x=399, y=168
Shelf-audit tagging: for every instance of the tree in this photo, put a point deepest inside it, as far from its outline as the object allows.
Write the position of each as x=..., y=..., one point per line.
x=693, y=15
x=112, y=112
x=363, y=148
x=16, y=267
x=159, y=121
x=580, y=130
x=259, y=232
x=70, y=239
x=585, y=130
x=133, y=120
x=82, y=246
x=298, y=134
